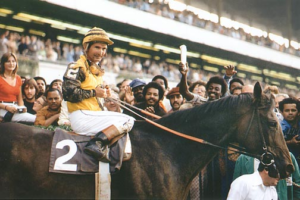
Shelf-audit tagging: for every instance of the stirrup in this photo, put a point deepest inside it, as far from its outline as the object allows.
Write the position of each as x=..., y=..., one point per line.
x=97, y=151
x=105, y=157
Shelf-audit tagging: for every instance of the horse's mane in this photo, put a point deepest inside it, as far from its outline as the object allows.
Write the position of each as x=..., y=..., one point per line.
x=227, y=104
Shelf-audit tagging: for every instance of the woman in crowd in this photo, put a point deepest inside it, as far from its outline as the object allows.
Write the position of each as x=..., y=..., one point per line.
x=11, y=102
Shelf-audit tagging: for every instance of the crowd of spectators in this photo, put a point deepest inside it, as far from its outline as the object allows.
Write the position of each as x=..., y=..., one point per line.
x=162, y=9
x=38, y=48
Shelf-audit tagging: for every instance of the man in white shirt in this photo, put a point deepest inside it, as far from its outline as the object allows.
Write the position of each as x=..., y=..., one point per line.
x=257, y=186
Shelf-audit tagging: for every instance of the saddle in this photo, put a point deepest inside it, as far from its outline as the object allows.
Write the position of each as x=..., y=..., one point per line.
x=67, y=155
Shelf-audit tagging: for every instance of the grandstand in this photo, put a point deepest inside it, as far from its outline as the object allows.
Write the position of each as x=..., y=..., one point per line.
x=151, y=35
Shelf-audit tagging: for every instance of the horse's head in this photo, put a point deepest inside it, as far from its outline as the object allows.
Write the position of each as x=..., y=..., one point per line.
x=261, y=134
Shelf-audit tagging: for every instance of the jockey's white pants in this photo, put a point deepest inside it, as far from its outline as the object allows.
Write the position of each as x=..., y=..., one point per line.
x=89, y=123
x=18, y=117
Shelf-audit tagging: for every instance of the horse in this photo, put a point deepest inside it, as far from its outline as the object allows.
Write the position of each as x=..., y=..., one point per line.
x=162, y=165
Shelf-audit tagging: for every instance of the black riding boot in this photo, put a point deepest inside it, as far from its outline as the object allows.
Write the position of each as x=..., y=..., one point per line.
x=97, y=147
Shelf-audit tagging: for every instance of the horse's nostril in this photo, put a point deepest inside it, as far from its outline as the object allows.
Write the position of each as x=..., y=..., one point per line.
x=290, y=168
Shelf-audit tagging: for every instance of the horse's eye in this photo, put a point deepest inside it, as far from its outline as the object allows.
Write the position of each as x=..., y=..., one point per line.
x=272, y=123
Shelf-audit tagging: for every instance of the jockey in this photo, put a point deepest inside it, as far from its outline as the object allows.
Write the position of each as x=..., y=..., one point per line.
x=82, y=88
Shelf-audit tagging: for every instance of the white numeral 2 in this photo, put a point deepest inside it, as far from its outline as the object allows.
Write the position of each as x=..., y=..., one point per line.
x=60, y=162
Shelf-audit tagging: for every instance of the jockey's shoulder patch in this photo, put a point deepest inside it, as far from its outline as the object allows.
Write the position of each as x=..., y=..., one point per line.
x=73, y=65
x=77, y=65
x=72, y=71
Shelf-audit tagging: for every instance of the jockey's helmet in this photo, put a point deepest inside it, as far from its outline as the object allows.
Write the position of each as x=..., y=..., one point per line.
x=96, y=35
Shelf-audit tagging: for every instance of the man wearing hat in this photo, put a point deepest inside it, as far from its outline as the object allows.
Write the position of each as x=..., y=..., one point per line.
x=136, y=87
x=176, y=99
x=82, y=87
x=152, y=94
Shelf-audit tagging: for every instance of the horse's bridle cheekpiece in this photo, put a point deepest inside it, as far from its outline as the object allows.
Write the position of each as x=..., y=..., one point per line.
x=266, y=158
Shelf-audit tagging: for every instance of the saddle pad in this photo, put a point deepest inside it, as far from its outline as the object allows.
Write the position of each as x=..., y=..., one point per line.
x=67, y=154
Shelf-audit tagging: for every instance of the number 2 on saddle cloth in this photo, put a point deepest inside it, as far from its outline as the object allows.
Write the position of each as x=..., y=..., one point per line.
x=67, y=155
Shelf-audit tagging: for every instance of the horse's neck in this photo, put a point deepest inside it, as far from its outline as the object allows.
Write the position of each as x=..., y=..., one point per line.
x=162, y=158
x=167, y=150
x=217, y=128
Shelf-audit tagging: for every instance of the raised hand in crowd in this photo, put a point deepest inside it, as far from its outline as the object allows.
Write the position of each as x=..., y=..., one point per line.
x=129, y=98
x=183, y=87
x=230, y=70
x=183, y=69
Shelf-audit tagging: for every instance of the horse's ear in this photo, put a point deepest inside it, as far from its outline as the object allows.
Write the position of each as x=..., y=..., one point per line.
x=257, y=91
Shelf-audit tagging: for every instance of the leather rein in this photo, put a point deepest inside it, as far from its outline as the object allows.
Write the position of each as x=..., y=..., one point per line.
x=237, y=148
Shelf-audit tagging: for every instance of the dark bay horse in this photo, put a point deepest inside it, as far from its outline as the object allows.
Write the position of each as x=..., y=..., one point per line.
x=162, y=165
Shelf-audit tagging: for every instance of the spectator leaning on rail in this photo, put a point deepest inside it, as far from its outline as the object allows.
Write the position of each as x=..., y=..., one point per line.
x=49, y=115
x=82, y=86
x=64, y=114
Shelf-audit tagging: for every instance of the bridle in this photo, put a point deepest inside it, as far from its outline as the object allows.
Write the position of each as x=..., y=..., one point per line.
x=237, y=148
x=266, y=158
